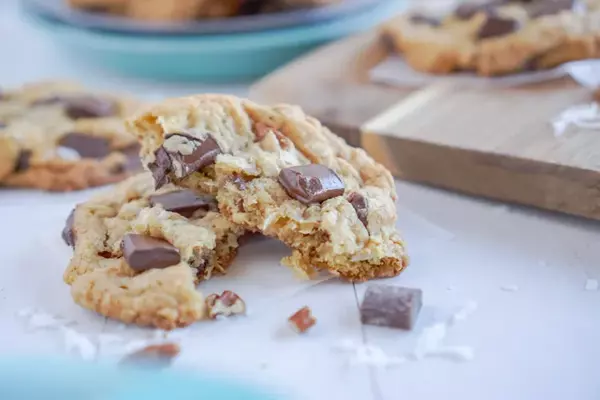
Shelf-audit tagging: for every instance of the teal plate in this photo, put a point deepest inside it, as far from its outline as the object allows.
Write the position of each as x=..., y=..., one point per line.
x=208, y=58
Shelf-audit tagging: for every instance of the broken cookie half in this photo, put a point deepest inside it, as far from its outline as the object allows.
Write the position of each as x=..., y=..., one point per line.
x=277, y=171
x=139, y=253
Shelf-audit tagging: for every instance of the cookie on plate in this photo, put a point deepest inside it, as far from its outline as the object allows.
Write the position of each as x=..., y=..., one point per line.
x=139, y=253
x=497, y=37
x=279, y=172
x=61, y=137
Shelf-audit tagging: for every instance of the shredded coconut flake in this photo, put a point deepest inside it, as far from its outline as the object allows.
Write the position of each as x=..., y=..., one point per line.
x=42, y=320
x=454, y=353
x=430, y=339
x=584, y=116
x=79, y=344
x=464, y=312
x=374, y=356
x=591, y=285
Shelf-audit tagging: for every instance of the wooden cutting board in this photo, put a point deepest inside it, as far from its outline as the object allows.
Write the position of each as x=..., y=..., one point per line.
x=492, y=143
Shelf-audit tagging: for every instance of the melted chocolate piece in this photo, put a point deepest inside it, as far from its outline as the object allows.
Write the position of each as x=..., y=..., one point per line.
x=497, y=26
x=143, y=252
x=361, y=207
x=203, y=153
x=313, y=183
x=161, y=167
x=86, y=146
x=68, y=234
x=184, y=202
x=391, y=306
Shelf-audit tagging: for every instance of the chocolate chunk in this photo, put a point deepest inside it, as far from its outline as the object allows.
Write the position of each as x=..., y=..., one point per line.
x=497, y=26
x=68, y=234
x=391, y=306
x=155, y=356
x=161, y=167
x=182, y=155
x=313, y=183
x=203, y=153
x=361, y=207
x=184, y=202
x=145, y=252
x=549, y=7
x=87, y=146
x=89, y=107
x=23, y=160
x=422, y=19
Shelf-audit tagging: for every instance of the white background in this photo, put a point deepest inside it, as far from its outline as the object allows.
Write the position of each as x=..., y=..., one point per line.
x=537, y=340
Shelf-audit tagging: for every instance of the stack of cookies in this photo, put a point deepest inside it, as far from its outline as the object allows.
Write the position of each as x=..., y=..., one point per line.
x=498, y=37
x=219, y=168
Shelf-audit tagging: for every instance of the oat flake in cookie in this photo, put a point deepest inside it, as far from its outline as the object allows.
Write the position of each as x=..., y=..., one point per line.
x=498, y=37
x=139, y=253
x=61, y=137
x=277, y=171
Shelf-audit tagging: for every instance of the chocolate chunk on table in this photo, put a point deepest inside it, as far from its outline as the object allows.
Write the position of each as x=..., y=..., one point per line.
x=391, y=306
x=184, y=202
x=86, y=146
x=143, y=252
x=313, y=183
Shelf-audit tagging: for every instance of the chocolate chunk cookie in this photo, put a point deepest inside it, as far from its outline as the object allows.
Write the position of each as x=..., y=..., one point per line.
x=498, y=37
x=277, y=171
x=60, y=137
x=138, y=253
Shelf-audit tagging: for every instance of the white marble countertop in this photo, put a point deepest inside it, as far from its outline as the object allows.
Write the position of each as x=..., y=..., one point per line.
x=533, y=328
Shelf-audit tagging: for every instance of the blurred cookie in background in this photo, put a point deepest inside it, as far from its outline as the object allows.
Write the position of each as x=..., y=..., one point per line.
x=60, y=137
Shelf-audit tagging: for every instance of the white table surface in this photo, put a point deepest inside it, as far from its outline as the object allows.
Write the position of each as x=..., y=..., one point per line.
x=534, y=333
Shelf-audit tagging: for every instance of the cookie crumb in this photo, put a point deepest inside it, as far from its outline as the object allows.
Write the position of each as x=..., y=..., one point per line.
x=157, y=356
x=591, y=285
x=302, y=320
x=224, y=305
